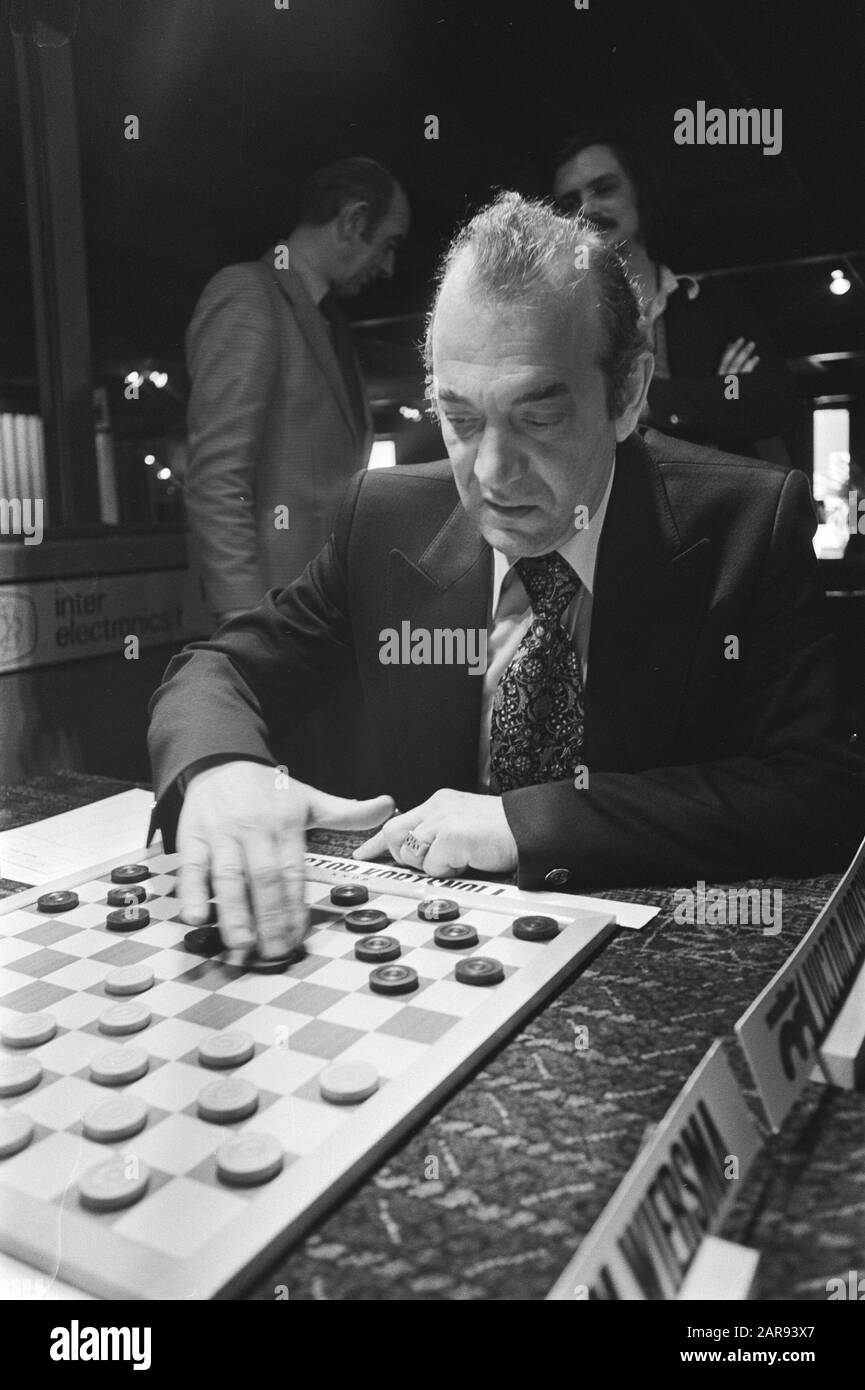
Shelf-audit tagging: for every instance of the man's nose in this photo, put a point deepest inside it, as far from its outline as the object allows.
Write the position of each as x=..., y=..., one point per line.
x=497, y=464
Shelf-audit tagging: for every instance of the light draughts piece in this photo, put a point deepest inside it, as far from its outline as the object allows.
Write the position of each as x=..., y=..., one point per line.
x=129, y=1017
x=19, y=1074
x=119, y=1066
x=232, y=1098
x=346, y=1083
x=16, y=1131
x=129, y=979
x=29, y=1030
x=112, y=1121
x=249, y=1159
x=226, y=1050
x=115, y=1184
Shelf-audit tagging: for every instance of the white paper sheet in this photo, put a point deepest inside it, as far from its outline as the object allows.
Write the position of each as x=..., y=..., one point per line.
x=68, y=843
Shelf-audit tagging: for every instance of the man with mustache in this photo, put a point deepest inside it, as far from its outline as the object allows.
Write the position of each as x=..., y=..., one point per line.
x=659, y=700
x=702, y=335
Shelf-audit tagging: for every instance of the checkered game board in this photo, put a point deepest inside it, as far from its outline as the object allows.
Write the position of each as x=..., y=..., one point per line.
x=190, y=1234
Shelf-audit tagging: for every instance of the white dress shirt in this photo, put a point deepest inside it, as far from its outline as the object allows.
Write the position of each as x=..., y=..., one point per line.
x=511, y=614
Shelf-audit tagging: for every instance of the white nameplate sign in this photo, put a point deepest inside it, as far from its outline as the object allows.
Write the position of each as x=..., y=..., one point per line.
x=677, y=1191
x=783, y=1029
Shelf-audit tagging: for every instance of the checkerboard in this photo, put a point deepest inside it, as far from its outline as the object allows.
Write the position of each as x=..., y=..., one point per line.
x=190, y=1235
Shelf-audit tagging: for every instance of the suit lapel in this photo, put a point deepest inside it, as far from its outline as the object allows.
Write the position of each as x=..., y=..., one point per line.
x=435, y=711
x=314, y=328
x=648, y=604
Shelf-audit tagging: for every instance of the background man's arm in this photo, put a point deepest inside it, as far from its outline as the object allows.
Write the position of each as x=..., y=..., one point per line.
x=710, y=408
x=798, y=791
x=233, y=358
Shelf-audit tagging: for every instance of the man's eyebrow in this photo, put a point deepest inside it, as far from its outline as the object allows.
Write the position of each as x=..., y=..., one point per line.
x=541, y=393
x=453, y=397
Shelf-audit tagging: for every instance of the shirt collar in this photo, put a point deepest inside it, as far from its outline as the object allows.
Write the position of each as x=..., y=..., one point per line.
x=670, y=282
x=580, y=551
x=315, y=283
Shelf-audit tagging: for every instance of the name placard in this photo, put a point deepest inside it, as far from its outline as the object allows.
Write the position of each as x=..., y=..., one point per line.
x=676, y=1192
x=782, y=1030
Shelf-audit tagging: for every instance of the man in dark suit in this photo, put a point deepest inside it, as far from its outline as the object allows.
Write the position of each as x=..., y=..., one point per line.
x=657, y=699
x=719, y=379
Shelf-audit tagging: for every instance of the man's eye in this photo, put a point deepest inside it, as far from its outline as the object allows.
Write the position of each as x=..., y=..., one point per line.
x=460, y=422
x=544, y=424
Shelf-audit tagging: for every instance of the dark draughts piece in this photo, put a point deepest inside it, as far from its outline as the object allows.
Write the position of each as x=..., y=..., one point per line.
x=131, y=918
x=122, y=897
x=393, y=979
x=367, y=920
x=203, y=941
x=349, y=894
x=130, y=873
x=438, y=910
x=455, y=936
x=479, y=970
x=61, y=900
x=536, y=928
x=274, y=965
x=375, y=950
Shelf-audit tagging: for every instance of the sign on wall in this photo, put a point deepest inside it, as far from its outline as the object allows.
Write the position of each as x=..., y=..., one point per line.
x=53, y=621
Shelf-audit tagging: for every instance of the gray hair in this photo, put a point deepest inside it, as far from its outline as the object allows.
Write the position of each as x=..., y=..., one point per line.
x=518, y=247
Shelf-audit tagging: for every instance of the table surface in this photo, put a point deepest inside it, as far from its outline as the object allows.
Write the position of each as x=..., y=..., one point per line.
x=532, y=1147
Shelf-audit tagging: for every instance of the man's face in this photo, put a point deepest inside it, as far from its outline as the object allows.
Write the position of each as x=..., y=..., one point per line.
x=595, y=182
x=523, y=407
x=375, y=259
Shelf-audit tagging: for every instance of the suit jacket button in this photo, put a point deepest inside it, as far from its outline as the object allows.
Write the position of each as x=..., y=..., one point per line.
x=674, y=419
x=556, y=877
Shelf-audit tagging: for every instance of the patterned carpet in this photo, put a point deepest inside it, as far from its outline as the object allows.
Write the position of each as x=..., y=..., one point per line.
x=489, y=1199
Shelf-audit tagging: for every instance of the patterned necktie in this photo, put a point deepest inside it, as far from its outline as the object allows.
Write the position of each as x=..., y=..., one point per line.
x=538, y=714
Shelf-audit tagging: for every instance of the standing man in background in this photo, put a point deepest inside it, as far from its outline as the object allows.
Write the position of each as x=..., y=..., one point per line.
x=278, y=419
x=701, y=334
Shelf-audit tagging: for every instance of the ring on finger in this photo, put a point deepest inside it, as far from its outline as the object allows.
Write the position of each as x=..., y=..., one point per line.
x=413, y=845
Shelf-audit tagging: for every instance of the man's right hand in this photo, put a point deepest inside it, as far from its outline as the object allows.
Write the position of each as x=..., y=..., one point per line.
x=245, y=834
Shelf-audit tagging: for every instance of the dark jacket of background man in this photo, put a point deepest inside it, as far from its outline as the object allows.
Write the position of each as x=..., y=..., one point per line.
x=700, y=765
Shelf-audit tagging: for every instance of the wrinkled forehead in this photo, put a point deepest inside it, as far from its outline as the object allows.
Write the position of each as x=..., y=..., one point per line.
x=553, y=322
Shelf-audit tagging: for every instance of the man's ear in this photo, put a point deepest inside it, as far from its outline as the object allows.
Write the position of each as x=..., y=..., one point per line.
x=636, y=391
x=351, y=221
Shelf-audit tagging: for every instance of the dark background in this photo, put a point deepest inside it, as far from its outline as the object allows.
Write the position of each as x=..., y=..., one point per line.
x=237, y=101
